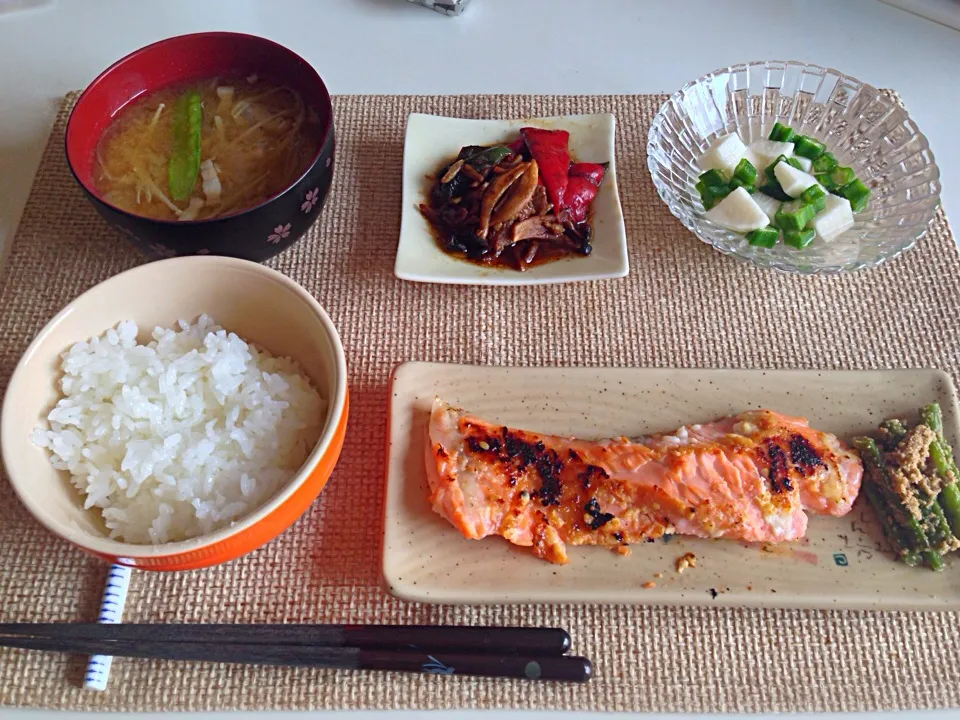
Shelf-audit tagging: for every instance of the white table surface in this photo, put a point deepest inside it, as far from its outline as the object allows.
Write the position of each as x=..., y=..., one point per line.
x=391, y=46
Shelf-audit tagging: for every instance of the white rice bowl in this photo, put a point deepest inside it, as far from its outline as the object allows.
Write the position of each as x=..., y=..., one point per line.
x=182, y=436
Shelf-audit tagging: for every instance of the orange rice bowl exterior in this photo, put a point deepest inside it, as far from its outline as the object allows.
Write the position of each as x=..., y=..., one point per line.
x=264, y=308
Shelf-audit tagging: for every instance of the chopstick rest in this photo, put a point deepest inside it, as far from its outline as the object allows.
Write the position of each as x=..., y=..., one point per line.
x=111, y=612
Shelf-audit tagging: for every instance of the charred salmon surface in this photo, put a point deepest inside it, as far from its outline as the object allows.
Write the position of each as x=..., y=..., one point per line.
x=751, y=477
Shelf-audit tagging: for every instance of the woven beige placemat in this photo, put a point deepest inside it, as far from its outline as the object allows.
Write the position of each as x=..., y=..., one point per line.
x=682, y=305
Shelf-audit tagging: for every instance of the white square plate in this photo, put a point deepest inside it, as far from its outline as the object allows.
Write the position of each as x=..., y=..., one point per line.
x=841, y=563
x=431, y=141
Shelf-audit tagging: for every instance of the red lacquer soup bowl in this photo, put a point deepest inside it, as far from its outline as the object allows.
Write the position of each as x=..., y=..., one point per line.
x=255, y=233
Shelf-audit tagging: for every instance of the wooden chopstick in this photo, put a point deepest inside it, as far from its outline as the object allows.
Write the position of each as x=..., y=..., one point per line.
x=533, y=667
x=503, y=640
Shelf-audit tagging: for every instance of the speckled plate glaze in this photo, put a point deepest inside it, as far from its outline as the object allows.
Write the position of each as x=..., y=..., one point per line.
x=842, y=563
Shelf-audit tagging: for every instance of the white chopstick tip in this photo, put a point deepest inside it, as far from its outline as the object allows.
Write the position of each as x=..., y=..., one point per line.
x=111, y=612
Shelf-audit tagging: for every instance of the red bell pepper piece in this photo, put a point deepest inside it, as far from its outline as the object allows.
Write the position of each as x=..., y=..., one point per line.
x=592, y=171
x=580, y=193
x=550, y=149
x=582, y=188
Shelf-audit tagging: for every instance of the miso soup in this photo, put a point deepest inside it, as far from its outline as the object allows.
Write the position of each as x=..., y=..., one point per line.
x=206, y=149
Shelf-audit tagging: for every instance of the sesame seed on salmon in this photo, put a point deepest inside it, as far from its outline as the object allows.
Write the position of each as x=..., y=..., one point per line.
x=749, y=477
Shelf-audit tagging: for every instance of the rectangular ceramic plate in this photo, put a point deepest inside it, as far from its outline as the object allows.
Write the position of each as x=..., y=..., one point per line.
x=432, y=141
x=842, y=563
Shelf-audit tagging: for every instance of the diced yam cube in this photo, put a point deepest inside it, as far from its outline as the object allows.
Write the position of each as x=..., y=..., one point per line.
x=766, y=151
x=793, y=181
x=804, y=163
x=723, y=154
x=738, y=212
x=835, y=219
x=768, y=204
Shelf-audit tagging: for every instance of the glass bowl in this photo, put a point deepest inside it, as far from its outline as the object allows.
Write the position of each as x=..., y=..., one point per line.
x=863, y=127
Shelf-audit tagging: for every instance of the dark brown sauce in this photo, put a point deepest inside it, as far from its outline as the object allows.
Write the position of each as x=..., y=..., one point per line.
x=506, y=261
x=509, y=259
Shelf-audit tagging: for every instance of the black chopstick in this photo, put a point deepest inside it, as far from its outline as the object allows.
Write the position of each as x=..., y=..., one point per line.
x=543, y=667
x=471, y=640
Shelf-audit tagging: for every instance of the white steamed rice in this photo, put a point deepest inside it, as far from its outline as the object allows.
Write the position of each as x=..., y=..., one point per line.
x=182, y=436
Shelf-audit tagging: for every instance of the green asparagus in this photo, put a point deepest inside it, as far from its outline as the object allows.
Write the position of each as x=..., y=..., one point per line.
x=896, y=428
x=942, y=455
x=933, y=560
x=950, y=502
x=932, y=416
x=893, y=532
x=931, y=529
x=913, y=534
x=891, y=433
x=938, y=532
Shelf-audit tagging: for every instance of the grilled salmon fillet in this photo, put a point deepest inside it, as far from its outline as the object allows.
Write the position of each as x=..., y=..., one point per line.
x=748, y=477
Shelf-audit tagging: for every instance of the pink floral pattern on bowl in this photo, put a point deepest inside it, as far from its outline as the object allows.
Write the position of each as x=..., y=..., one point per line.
x=310, y=200
x=280, y=232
